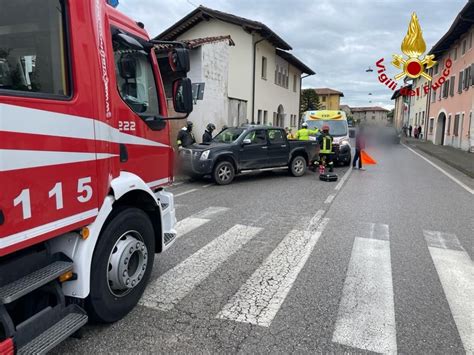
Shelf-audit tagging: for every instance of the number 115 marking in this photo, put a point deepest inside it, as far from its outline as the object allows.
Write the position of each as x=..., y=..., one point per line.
x=84, y=190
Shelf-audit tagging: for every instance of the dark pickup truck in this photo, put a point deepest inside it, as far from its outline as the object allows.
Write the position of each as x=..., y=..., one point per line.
x=251, y=148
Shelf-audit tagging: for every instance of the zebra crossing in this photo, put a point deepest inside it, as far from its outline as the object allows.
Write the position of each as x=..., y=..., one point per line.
x=366, y=314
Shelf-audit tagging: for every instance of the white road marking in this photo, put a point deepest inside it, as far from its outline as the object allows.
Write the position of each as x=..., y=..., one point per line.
x=169, y=289
x=208, y=185
x=442, y=240
x=314, y=222
x=344, y=178
x=366, y=317
x=210, y=212
x=185, y=192
x=464, y=186
x=189, y=224
x=177, y=183
x=379, y=231
x=260, y=298
x=329, y=199
x=456, y=273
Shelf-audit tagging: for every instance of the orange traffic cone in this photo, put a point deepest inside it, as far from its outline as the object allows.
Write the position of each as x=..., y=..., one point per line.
x=367, y=159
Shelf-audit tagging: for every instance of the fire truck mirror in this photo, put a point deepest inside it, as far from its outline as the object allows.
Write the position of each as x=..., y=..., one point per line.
x=128, y=66
x=179, y=60
x=183, y=95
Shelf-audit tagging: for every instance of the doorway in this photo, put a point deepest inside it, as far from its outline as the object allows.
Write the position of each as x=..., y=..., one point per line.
x=280, y=117
x=440, y=129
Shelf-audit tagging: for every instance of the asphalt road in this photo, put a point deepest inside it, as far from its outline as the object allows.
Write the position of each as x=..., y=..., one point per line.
x=271, y=263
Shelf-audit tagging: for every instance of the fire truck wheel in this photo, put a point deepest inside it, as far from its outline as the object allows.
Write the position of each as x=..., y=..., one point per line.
x=121, y=265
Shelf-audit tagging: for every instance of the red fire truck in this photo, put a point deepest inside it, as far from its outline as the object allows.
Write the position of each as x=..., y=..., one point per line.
x=84, y=158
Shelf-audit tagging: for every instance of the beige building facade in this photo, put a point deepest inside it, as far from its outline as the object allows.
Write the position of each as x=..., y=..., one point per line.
x=329, y=99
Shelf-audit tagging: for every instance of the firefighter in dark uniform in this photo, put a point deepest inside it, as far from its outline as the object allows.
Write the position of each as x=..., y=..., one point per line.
x=186, y=136
x=207, y=136
x=325, y=148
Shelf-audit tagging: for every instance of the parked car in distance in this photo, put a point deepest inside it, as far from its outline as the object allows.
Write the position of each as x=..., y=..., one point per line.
x=237, y=150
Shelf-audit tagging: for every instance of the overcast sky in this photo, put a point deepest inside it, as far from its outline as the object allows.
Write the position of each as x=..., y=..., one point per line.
x=338, y=39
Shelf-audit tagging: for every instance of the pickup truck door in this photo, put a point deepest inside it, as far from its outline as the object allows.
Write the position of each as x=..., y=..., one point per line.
x=278, y=148
x=255, y=154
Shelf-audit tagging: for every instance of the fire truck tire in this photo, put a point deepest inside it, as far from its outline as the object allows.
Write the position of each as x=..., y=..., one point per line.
x=121, y=265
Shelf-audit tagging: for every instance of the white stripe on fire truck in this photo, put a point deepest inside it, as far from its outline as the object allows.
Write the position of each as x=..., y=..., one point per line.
x=19, y=120
x=159, y=182
x=46, y=228
x=12, y=159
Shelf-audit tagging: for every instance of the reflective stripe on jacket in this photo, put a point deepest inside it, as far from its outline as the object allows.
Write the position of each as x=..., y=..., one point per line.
x=325, y=144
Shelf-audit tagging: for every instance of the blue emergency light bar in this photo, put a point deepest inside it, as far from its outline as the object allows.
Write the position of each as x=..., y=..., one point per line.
x=113, y=3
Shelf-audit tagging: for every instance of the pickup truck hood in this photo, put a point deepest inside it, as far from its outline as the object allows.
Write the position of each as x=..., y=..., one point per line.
x=203, y=147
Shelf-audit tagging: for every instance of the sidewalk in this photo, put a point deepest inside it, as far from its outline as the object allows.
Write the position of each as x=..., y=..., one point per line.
x=456, y=158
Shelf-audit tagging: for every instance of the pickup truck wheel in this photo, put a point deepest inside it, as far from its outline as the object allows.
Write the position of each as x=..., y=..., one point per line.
x=224, y=173
x=298, y=166
x=121, y=265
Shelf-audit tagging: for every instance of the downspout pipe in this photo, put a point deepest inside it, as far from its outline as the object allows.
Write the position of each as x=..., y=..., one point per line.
x=254, y=72
x=299, y=99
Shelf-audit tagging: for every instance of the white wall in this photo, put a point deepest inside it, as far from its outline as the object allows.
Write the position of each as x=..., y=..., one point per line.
x=209, y=64
x=239, y=60
x=268, y=95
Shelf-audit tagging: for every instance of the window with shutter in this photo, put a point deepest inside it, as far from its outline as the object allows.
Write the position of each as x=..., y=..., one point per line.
x=460, y=82
x=467, y=78
x=456, y=125
x=452, y=82
x=448, y=129
x=472, y=74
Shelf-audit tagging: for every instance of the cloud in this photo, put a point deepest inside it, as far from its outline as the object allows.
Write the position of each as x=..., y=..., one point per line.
x=338, y=39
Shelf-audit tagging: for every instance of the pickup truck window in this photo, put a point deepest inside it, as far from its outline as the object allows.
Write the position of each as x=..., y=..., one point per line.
x=135, y=80
x=276, y=136
x=257, y=136
x=33, y=49
x=228, y=135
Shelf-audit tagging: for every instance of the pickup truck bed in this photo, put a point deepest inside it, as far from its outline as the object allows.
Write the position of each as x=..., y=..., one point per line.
x=251, y=148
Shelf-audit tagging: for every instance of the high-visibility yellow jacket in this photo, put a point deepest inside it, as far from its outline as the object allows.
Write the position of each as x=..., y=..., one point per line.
x=325, y=144
x=304, y=133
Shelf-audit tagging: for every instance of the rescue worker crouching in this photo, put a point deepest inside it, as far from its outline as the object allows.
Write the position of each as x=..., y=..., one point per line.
x=304, y=133
x=185, y=136
x=325, y=151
